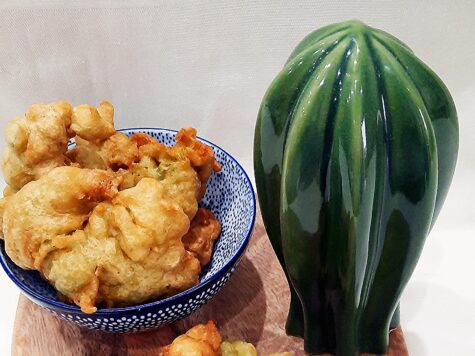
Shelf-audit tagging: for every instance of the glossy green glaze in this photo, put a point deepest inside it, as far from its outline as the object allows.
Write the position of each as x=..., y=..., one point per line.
x=355, y=147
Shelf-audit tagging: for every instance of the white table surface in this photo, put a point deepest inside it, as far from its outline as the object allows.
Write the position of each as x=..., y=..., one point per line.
x=145, y=60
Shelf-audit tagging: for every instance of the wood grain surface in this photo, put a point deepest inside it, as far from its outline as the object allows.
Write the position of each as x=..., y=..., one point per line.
x=252, y=306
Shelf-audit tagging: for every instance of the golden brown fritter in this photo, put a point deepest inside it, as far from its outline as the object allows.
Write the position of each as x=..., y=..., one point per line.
x=98, y=145
x=91, y=124
x=129, y=252
x=58, y=203
x=201, y=340
x=114, y=153
x=2, y=209
x=181, y=182
x=7, y=193
x=105, y=222
x=175, y=172
x=200, y=155
x=204, y=230
x=183, y=168
x=36, y=142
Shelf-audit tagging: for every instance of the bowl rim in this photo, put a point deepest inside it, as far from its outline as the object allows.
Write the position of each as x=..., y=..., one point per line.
x=52, y=304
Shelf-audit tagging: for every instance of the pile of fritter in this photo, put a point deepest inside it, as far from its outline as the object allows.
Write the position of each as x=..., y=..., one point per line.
x=113, y=221
x=205, y=340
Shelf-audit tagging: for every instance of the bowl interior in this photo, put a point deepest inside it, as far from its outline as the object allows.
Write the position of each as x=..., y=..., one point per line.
x=229, y=196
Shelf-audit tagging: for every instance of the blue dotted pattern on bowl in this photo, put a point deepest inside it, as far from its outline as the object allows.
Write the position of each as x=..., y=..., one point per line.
x=231, y=198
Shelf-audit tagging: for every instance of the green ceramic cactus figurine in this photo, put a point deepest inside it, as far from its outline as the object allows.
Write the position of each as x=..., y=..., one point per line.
x=355, y=148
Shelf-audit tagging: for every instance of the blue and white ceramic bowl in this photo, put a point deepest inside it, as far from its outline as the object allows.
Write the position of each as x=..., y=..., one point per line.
x=231, y=198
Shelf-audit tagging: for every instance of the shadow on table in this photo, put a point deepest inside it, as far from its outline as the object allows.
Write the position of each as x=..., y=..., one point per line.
x=240, y=307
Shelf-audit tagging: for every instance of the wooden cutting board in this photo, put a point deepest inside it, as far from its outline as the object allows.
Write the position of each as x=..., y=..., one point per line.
x=252, y=306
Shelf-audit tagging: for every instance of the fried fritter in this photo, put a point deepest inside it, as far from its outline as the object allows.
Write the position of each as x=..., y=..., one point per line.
x=7, y=192
x=36, y=142
x=114, y=153
x=200, y=155
x=204, y=230
x=201, y=340
x=58, y=203
x=91, y=124
x=107, y=222
x=175, y=172
x=129, y=252
x=183, y=168
x=2, y=209
x=98, y=145
x=181, y=182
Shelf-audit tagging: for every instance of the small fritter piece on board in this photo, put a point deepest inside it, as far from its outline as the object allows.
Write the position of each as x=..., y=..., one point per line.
x=204, y=230
x=237, y=348
x=201, y=340
x=36, y=142
x=205, y=340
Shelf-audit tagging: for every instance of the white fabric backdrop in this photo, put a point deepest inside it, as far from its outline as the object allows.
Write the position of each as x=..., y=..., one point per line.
x=207, y=64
